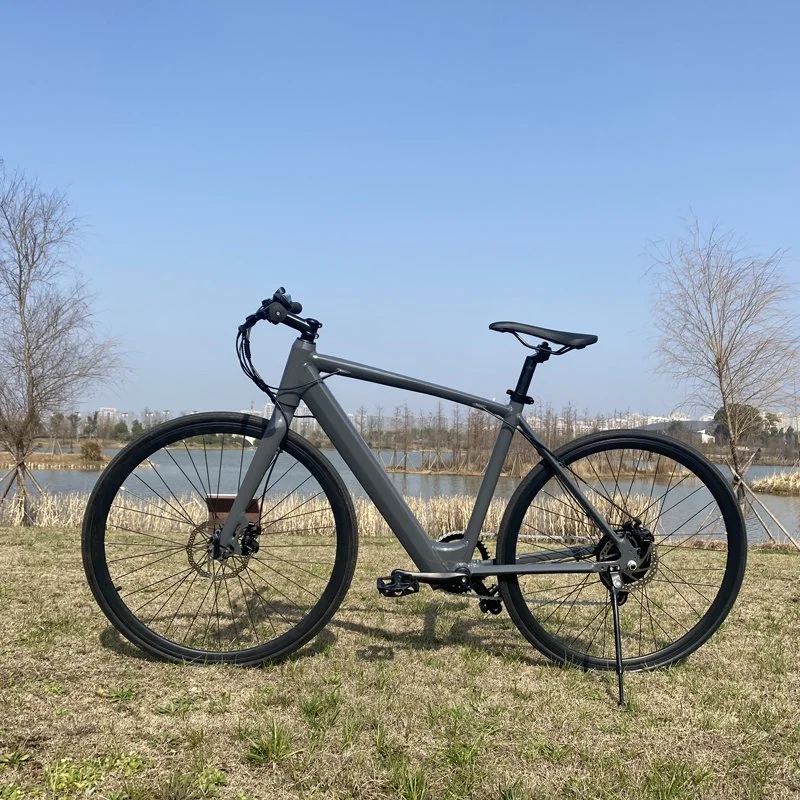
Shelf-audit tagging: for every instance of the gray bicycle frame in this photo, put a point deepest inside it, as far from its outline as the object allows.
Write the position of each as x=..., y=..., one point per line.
x=303, y=380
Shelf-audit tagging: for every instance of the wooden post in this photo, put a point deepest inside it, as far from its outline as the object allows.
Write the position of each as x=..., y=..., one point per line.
x=763, y=524
x=771, y=516
x=738, y=480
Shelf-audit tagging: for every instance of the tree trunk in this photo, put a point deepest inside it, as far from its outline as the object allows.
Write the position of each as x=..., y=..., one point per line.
x=737, y=484
x=21, y=499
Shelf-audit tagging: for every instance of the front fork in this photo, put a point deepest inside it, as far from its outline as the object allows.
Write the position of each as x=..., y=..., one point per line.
x=229, y=541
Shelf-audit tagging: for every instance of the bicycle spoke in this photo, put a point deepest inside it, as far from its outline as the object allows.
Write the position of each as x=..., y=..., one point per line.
x=247, y=607
x=180, y=605
x=578, y=588
x=163, y=564
x=169, y=490
x=181, y=513
x=188, y=479
x=142, y=555
x=141, y=533
x=197, y=472
x=666, y=605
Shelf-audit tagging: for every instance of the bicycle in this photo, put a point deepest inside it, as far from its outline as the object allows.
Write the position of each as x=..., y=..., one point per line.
x=226, y=537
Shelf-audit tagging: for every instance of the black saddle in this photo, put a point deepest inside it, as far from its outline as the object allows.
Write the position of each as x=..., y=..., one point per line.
x=576, y=341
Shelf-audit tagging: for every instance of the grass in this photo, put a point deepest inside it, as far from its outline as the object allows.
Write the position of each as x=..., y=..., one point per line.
x=421, y=697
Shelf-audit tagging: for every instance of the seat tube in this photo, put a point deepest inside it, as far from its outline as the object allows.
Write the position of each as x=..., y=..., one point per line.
x=519, y=398
x=492, y=474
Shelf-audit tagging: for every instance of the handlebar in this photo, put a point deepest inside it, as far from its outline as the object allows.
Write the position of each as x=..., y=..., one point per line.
x=281, y=309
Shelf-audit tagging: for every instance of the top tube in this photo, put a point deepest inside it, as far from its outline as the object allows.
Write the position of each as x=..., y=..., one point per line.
x=362, y=372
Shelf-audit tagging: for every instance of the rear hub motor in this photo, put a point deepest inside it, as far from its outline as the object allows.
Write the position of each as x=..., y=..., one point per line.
x=643, y=543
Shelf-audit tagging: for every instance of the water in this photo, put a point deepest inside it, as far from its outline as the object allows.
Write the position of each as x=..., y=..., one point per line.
x=786, y=509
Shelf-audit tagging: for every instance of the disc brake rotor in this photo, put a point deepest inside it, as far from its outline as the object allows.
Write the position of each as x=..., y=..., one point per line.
x=201, y=544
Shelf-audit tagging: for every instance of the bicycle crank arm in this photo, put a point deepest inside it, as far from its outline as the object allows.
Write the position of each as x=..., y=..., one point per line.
x=433, y=578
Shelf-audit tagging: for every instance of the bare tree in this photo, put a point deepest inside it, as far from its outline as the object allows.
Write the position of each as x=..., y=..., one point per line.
x=726, y=329
x=376, y=428
x=49, y=352
x=456, y=436
x=361, y=420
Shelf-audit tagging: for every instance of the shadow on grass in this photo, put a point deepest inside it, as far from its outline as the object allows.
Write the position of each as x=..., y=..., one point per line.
x=479, y=634
x=111, y=639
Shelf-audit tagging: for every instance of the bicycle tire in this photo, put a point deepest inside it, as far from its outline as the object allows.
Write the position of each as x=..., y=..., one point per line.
x=670, y=610
x=152, y=514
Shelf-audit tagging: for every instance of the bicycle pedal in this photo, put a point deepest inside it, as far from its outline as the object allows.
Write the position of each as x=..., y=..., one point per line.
x=397, y=585
x=490, y=605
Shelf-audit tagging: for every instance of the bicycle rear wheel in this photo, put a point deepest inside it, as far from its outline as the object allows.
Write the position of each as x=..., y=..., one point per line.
x=677, y=598
x=148, y=548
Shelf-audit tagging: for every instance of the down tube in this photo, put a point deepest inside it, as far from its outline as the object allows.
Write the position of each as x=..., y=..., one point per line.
x=357, y=455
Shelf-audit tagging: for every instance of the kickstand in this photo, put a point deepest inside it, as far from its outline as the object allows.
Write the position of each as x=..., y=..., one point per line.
x=616, y=585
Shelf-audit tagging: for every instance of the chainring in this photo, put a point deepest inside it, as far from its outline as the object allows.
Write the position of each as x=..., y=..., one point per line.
x=479, y=587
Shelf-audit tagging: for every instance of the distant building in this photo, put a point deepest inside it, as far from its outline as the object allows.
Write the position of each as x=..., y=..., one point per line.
x=705, y=438
x=303, y=422
x=107, y=416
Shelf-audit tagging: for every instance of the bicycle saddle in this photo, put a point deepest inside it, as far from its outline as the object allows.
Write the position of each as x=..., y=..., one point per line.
x=576, y=340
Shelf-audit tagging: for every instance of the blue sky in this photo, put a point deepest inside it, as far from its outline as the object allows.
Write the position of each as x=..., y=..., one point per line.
x=410, y=171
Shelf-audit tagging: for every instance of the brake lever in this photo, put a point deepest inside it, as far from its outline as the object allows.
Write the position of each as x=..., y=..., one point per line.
x=285, y=300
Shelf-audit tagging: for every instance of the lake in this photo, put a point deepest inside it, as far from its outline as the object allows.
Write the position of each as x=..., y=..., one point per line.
x=786, y=509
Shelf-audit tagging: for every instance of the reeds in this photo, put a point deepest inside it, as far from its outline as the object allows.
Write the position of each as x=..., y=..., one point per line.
x=83, y=466
x=635, y=464
x=780, y=483
x=548, y=518
x=437, y=515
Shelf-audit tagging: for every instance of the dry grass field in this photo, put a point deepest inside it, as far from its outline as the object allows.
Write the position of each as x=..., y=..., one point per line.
x=418, y=697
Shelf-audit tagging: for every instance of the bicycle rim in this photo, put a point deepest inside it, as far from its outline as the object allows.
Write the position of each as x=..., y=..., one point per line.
x=675, y=601
x=149, y=552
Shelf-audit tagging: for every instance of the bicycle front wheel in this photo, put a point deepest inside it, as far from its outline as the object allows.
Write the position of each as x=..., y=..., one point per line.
x=672, y=504
x=148, y=543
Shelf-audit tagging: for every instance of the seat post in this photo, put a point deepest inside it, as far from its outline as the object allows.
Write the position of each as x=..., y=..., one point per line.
x=520, y=394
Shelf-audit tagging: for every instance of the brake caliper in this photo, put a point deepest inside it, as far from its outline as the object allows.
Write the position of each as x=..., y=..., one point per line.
x=250, y=539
